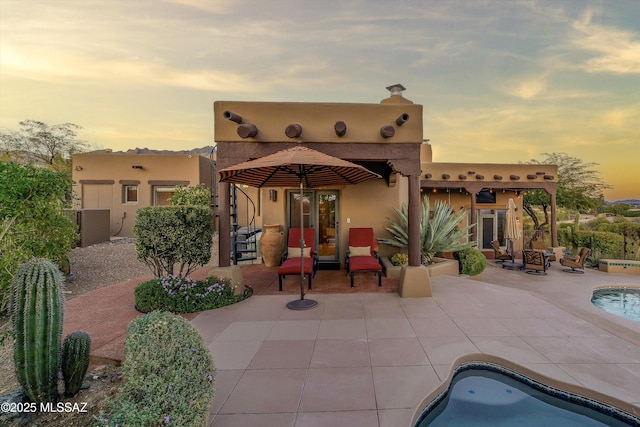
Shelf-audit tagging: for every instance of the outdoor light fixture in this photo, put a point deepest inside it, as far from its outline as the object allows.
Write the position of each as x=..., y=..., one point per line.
x=273, y=195
x=136, y=167
x=78, y=168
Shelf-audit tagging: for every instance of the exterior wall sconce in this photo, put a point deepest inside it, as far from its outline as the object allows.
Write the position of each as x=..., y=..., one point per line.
x=273, y=195
x=137, y=167
x=78, y=168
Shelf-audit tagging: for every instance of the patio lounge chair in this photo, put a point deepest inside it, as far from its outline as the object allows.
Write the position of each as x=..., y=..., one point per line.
x=575, y=264
x=362, y=255
x=291, y=258
x=534, y=262
x=499, y=254
x=541, y=246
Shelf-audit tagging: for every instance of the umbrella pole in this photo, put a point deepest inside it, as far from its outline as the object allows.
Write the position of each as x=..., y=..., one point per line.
x=301, y=241
x=302, y=304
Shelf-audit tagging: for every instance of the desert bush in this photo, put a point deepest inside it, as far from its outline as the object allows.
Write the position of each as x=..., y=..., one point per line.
x=399, y=259
x=602, y=244
x=184, y=295
x=170, y=238
x=168, y=375
x=471, y=261
x=32, y=220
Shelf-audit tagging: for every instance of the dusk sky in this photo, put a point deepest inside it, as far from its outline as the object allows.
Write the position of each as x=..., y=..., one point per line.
x=500, y=81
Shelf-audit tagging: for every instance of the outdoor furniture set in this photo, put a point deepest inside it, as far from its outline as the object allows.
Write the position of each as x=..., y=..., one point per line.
x=538, y=258
x=361, y=257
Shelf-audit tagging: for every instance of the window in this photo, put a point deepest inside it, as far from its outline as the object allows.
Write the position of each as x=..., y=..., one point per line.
x=162, y=194
x=130, y=194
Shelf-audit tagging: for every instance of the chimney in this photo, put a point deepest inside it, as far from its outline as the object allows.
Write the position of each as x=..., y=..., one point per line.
x=396, y=95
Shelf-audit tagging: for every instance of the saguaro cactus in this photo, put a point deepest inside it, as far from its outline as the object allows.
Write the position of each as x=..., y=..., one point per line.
x=37, y=323
x=75, y=361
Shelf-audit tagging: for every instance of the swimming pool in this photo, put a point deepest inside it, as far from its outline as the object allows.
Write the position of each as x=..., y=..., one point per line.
x=482, y=394
x=621, y=301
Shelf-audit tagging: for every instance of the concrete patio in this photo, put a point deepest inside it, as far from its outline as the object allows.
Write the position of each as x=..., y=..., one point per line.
x=368, y=359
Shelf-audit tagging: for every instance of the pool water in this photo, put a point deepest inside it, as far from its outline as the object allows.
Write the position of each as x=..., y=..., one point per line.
x=481, y=397
x=624, y=302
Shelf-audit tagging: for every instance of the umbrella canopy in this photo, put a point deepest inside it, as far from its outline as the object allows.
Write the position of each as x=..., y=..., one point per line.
x=512, y=233
x=297, y=166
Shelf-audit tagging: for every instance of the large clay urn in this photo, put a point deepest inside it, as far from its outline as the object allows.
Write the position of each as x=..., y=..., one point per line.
x=271, y=244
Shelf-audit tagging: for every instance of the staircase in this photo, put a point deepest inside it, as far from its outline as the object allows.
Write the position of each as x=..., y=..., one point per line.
x=244, y=238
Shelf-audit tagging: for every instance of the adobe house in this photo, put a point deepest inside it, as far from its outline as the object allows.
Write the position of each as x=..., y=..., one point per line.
x=386, y=138
x=122, y=182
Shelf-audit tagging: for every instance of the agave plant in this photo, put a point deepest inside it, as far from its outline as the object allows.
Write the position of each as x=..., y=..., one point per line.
x=438, y=233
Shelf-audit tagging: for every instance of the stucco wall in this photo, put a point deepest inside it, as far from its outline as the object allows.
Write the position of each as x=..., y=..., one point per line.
x=99, y=179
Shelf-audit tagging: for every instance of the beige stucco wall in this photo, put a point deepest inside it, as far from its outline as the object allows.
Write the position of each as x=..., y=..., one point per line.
x=357, y=203
x=98, y=181
x=317, y=120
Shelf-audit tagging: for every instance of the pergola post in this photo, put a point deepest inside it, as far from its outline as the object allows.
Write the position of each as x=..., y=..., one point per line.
x=224, y=221
x=554, y=225
x=414, y=221
x=474, y=217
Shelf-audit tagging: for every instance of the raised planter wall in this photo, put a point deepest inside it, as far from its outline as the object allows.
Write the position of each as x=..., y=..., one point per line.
x=619, y=266
x=440, y=267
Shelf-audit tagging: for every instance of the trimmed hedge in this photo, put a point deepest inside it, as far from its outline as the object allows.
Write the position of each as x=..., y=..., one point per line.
x=167, y=237
x=168, y=375
x=184, y=295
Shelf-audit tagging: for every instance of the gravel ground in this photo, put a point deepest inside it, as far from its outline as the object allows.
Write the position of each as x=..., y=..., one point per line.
x=103, y=264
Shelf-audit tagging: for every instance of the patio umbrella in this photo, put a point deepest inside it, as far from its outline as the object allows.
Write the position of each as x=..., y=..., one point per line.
x=297, y=166
x=512, y=232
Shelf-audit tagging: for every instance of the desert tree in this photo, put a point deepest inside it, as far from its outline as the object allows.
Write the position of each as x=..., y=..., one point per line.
x=41, y=144
x=579, y=188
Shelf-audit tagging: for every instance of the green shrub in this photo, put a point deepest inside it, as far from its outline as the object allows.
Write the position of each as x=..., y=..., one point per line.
x=198, y=195
x=173, y=237
x=399, y=259
x=32, y=220
x=597, y=222
x=168, y=375
x=472, y=261
x=605, y=243
x=184, y=295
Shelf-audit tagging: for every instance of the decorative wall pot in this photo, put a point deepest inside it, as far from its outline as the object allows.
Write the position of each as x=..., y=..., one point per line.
x=271, y=244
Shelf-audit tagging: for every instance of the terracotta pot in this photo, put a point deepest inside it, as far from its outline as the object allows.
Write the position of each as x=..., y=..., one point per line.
x=271, y=244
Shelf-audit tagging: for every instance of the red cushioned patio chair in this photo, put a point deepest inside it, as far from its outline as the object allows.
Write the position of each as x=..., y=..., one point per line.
x=362, y=255
x=291, y=257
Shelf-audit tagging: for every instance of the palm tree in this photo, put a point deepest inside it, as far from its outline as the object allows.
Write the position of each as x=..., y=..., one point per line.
x=440, y=233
